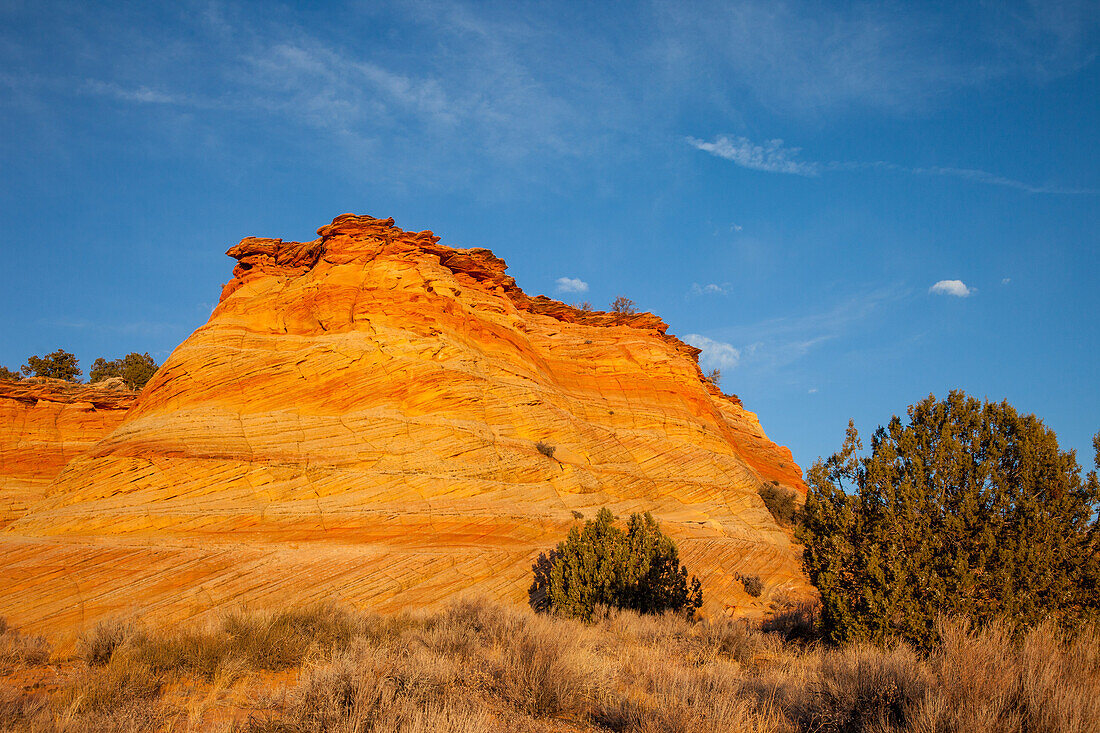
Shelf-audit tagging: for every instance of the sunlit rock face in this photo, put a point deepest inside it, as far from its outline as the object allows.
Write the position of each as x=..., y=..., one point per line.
x=360, y=420
x=45, y=423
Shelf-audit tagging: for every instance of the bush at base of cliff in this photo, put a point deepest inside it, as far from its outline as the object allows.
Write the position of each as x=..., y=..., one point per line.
x=969, y=509
x=600, y=564
x=780, y=502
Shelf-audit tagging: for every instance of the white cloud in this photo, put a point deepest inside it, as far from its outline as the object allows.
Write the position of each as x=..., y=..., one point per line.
x=1005, y=280
x=812, y=390
x=716, y=354
x=709, y=289
x=771, y=156
x=952, y=287
x=571, y=285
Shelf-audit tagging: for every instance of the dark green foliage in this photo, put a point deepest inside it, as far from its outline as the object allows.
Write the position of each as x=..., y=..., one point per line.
x=780, y=502
x=600, y=564
x=134, y=369
x=7, y=375
x=793, y=621
x=58, y=365
x=969, y=509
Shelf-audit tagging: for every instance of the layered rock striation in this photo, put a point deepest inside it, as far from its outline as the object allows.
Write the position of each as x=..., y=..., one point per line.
x=44, y=424
x=375, y=417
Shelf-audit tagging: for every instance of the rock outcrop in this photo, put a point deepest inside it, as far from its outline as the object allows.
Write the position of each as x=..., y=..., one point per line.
x=375, y=417
x=44, y=424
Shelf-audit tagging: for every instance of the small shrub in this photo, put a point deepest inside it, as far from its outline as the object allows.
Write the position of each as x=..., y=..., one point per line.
x=780, y=502
x=865, y=688
x=545, y=448
x=538, y=674
x=990, y=679
x=793, y=621
x=7, y=375
x=735, y=639
x=97, y=647
x=754, y=586
x=600, y=564
x=21, y=649
x=121, y=695
x=578, y=515
x=267, y=641
x=714, y=376
x=623, y=306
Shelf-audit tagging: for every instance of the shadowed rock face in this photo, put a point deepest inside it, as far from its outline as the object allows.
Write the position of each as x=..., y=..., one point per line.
x=45, y=423
x=359, y=419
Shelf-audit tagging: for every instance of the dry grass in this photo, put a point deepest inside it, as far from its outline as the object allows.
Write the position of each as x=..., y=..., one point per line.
x=18, y=649
x=477, y=666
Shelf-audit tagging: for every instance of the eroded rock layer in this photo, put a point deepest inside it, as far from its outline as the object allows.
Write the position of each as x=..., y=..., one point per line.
x=45, y=423
x=376, y=417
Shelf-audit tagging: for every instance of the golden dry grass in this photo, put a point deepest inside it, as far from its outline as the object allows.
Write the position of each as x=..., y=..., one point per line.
x=477, y=666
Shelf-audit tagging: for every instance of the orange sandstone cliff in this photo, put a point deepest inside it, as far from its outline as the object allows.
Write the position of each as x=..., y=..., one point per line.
x=45, y=423
x=360, y=420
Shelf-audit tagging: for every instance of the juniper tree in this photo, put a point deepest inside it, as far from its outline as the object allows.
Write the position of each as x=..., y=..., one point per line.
x=58, y=365
x=134, y=369
x=969, y=508
x=600, y=564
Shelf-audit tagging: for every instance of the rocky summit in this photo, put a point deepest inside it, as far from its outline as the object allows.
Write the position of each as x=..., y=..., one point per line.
x=375, y=418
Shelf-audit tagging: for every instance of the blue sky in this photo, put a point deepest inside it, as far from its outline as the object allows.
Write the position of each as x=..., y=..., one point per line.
x=848, y=206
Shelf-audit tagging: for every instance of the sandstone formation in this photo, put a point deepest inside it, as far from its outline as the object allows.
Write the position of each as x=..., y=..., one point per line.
x=45, y=423
x=361, y=418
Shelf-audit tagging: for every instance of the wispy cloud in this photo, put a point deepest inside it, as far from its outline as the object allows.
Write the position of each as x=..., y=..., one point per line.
x=716, y=354
x=709, y=289
x=778, y=342
x=956, y=288
x=571, y=285
x=808, y=58
x=140, y=94
x=773, y=157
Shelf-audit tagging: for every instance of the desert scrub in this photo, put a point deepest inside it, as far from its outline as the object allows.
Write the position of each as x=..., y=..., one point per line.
x=753, y=585
x=479, y=666
x=18, y=649
x=259, y=641
x=780, y=502
x=601, y=565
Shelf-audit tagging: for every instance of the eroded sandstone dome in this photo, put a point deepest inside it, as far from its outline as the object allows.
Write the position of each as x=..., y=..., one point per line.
x=360, y=419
